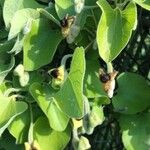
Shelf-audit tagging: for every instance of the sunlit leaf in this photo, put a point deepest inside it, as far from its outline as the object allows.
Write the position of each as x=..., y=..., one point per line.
x=11, y=6
x=40, y=45
x=70, y=96
x=44, y=97
x=22, y=15
x=114, y=29
x=9, y=111
x=48, y=138
x=20, y=126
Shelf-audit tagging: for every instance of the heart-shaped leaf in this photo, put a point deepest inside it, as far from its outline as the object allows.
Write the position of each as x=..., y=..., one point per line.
x=44, y=97
x=114, y=29
x=70, y=96
x=133, y=94
x=48, y=138
x=40, y=45
x=135, y=131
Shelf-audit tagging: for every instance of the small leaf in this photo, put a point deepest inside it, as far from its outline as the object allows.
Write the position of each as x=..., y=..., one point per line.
x=93, y=119
x=19, y=127
x=9, y=111
x=4, y=86
x=48, y=138
x=143, y=3
x=4, y=70
x=83, y=143
x=18, y=45
x=114, y=29
x=44, y=97
x=133, y=94
x=40, y=45
x=11, y=6
x=64, y=7
x=135, y=131
x=6, y=46
x=22, y=15
x=70, y=96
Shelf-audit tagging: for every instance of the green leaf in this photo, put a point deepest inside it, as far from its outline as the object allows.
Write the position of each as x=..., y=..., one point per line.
x=6, y=46
x=22, y=15
x=48, y=138
x=10, y=109
x=133, y=94
x=70, y=96
x=143, y=3
x=44, y=97
x=5, y=69
x=4, y=86
x=40, y=45
x=96, y=116
x=64, y=7
x=18, y=45
x=12, y=6
x=93, y=119
x=20, y=126
x=93, y=87
x=135, y=131
x=114, y=29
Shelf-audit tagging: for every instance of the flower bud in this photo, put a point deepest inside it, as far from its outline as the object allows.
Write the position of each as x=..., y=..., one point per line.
x=74, y=30
x=108, y=80
x=84, y=143
x=19, y=70
x=27, y=146
x=79, y=4
x=32, y=146
x=58, y=75
x=24, y=79
x=70, y=39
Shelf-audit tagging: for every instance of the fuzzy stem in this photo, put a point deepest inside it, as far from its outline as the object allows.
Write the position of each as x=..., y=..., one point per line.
x=64, y=59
